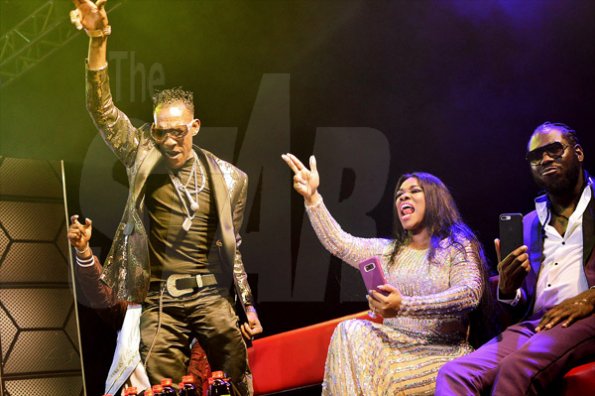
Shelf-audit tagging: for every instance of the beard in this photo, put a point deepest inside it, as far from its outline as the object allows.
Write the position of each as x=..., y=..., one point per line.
x=561, y=184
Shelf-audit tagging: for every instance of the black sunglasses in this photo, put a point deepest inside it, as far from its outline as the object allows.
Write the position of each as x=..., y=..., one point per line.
x=555, y=150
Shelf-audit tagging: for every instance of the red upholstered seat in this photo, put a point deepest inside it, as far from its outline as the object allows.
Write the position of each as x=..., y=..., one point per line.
x=295, y=359
x=579, y=380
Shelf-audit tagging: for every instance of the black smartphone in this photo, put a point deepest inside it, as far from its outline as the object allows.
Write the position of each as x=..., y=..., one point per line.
x=511, y=233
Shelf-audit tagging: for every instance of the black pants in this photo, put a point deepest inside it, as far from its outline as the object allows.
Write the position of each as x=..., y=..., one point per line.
x=205, y=315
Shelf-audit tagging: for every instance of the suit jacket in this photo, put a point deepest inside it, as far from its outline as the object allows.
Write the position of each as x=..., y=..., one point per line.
x=126, y=269
x=97, y=295
x=533, y=238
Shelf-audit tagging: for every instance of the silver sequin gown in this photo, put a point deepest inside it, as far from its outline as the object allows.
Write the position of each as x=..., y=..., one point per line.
x=403, y=355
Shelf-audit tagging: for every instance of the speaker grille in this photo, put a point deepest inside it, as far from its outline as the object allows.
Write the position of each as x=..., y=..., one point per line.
x=38, y=325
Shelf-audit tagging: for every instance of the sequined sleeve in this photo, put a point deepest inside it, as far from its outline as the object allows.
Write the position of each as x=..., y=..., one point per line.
x=348, y=248
x=96, y=294
x=238, y=267
x=465, y=280
x=113, y=125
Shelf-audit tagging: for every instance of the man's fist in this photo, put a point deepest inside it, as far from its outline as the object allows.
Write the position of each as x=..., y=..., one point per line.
x=90, y=16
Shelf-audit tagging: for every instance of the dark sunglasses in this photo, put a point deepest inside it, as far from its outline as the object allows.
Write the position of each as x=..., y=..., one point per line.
x=160, y=135
x=554, y=150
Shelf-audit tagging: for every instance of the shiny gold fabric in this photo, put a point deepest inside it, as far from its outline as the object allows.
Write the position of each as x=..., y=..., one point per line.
x=402, y=355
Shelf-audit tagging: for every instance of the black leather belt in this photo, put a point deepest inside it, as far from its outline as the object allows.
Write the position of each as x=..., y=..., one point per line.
x=178, y=284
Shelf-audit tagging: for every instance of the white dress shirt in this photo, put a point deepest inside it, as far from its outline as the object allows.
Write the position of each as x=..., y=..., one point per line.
x=561, y=275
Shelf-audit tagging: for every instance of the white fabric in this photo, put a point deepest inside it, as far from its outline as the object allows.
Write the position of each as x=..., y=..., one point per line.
x=127, y=364
x=561, y=275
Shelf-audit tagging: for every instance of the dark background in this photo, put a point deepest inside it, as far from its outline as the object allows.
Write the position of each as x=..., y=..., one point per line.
x=456, y=87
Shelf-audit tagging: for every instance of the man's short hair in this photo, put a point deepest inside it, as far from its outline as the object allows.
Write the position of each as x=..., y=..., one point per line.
x=172, y=95
x=568, y=132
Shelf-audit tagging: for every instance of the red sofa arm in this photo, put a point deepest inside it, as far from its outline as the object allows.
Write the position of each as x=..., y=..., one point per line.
x=579, y=381
x=293, y=359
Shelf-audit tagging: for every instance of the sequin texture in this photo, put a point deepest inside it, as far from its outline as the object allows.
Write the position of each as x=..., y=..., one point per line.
x=402, y=356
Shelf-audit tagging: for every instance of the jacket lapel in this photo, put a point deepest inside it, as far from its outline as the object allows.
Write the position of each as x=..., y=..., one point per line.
x=589, y=239
x=144, y=170
x=589, y=227
x=222, y=202
x=534, y=240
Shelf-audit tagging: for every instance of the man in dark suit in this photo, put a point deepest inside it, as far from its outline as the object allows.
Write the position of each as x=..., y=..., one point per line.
x=549, y=282
x=180, y=270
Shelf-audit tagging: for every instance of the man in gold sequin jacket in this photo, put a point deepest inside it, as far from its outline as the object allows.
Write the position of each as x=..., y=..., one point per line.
x=195, y=204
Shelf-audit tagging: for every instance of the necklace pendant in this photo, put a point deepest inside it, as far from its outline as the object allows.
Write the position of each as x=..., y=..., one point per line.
x=187, y=224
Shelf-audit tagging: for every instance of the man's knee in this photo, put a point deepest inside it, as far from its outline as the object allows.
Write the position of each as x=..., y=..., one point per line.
x=520, y=365
x=452, y=371
x=449, y=370
x=461, y=376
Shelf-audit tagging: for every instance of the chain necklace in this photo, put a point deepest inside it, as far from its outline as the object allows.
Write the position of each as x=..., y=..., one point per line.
x=190, y=204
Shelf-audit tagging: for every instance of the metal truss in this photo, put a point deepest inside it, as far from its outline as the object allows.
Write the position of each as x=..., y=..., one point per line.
x=35, y=38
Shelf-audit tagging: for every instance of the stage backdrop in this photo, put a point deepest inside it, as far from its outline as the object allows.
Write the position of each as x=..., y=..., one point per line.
x=38, y=316
x=372, y=88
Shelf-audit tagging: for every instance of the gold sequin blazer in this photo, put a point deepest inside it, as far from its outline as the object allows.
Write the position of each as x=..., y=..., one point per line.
x=126, y=269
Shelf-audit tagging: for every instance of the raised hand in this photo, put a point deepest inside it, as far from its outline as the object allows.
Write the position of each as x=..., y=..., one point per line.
x=305, y=181
x=88, y=15
x=80, y=234
x=512, y=270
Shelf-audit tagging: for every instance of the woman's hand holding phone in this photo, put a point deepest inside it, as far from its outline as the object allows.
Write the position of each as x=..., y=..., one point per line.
x=387, y=305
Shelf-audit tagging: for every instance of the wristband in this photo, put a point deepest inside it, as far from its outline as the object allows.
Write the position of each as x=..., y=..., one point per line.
x=106, y=31
x=85, y=262
x=514, y=302
x=82, y=251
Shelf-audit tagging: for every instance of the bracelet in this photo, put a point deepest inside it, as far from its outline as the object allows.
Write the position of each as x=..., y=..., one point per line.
x=82, y=251
x=85, y=262
x=76, y=20
x=106, y=31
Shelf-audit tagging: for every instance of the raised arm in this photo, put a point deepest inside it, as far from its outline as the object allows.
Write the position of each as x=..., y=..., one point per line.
x=115, y=127
x=93, y=18
x=348, y=248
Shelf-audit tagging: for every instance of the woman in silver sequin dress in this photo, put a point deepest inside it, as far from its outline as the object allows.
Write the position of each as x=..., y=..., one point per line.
x=435, y=277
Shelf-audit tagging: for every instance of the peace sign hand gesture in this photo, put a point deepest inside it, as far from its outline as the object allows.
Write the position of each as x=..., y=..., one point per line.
x=305, y=181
